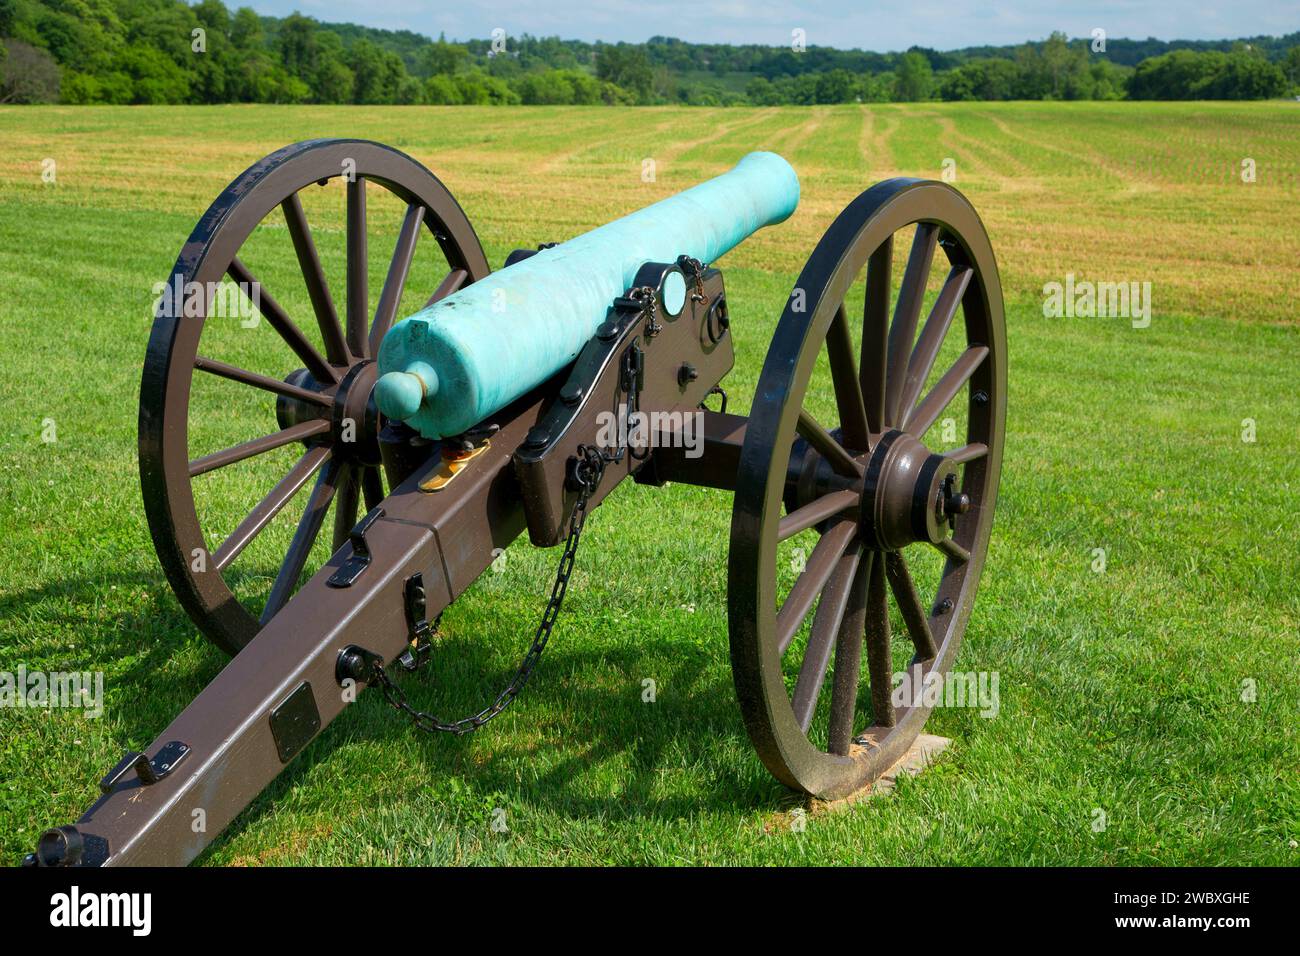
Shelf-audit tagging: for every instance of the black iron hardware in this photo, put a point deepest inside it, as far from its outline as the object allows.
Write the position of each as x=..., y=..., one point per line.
x=695, y=270
x=295, y=722
x=68, y=846
x=953, y=502
x=417, y=621
x=356, y=664
x=718, y=320
x=591, y=469
x=59, y=846
x=359, y=560
x=717, y=390
x=632, y=376
x=148, y=771
x=519, y=255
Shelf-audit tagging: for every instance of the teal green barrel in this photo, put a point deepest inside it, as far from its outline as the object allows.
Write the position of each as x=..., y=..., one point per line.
x=456, y=362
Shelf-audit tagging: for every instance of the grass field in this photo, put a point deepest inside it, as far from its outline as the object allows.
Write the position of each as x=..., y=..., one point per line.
x=1163, y=691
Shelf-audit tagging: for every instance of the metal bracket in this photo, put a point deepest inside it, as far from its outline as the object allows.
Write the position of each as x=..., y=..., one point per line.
x=294, y=722
x=632, y=372
x=359, y=560
x=148, y=771
x=68, y=846
x=356, y=664
x=417, y=621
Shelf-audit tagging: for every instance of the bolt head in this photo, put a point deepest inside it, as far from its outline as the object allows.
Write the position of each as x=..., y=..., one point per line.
x=956, y=504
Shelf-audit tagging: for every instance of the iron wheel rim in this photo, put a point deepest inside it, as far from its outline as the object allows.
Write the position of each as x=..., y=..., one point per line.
x=843, y=253
x=173, y=351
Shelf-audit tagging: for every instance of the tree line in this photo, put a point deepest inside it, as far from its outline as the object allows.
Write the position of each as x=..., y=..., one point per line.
x=168, y=51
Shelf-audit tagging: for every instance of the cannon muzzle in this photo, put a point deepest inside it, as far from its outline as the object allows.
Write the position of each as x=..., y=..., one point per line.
x=456, y=362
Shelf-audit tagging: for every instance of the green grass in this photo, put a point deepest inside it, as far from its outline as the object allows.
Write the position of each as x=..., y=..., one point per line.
x=1120, y=691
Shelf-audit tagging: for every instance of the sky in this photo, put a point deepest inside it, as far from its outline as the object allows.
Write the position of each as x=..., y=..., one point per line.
x=863, y=24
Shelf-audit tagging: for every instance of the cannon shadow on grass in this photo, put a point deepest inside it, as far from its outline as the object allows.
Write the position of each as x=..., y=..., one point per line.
x=132, y=648
x=582, y=726
x=581, y=711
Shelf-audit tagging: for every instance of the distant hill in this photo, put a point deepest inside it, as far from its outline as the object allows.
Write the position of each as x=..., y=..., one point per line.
x=769, y=61
x=167, y=51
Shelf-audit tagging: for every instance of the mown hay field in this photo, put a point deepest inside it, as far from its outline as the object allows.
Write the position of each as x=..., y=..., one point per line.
x=1148, y=710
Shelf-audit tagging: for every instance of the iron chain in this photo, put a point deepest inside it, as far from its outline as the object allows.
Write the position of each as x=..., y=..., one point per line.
x=649, y=301
x=696, y=270
x=589, y=471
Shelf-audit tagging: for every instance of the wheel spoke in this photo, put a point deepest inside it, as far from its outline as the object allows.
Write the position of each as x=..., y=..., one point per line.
x=825, y=627
x=875, y=334
x=345, y=505
x=968, y=452
x=848, y=388
x=932, y=335
x=909, y=604
x=825, y=554
x=280, y=321
x=450, y=283
x=286, y=582
x=945, y=390
x=880, y=663
x=827, y=506
x=257, y=446
x=373, y=487
x=911, y=293
x=244, y=376
x=953, y=550
x=313, y=275
x=848, y=660
x=358, y=267
x=398, y=269
x=270, y=506
x=832, y=450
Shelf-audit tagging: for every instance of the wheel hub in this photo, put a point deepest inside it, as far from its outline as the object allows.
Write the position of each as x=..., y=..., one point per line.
x=355, y=421
x=909, y=493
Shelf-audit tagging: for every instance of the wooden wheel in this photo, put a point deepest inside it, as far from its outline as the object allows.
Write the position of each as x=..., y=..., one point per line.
x=318, y=399
x=870, y=490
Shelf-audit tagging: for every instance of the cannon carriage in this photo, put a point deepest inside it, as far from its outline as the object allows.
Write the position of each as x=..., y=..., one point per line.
x=438, y=438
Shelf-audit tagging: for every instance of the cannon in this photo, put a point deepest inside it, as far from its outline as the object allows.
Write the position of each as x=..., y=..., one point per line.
x=863, y=478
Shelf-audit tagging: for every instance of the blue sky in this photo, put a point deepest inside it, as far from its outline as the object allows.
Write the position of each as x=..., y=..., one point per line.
x=866, y=24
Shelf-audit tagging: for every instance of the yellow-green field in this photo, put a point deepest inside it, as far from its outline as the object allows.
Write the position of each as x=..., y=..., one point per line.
x=1163, y=691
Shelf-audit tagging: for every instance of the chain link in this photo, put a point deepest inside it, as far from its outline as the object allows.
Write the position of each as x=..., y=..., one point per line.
x=649, y=301
x=588, y=473
x=696, y=270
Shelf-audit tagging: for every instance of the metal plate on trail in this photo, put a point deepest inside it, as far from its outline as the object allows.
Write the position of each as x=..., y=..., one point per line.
x=295, y=722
